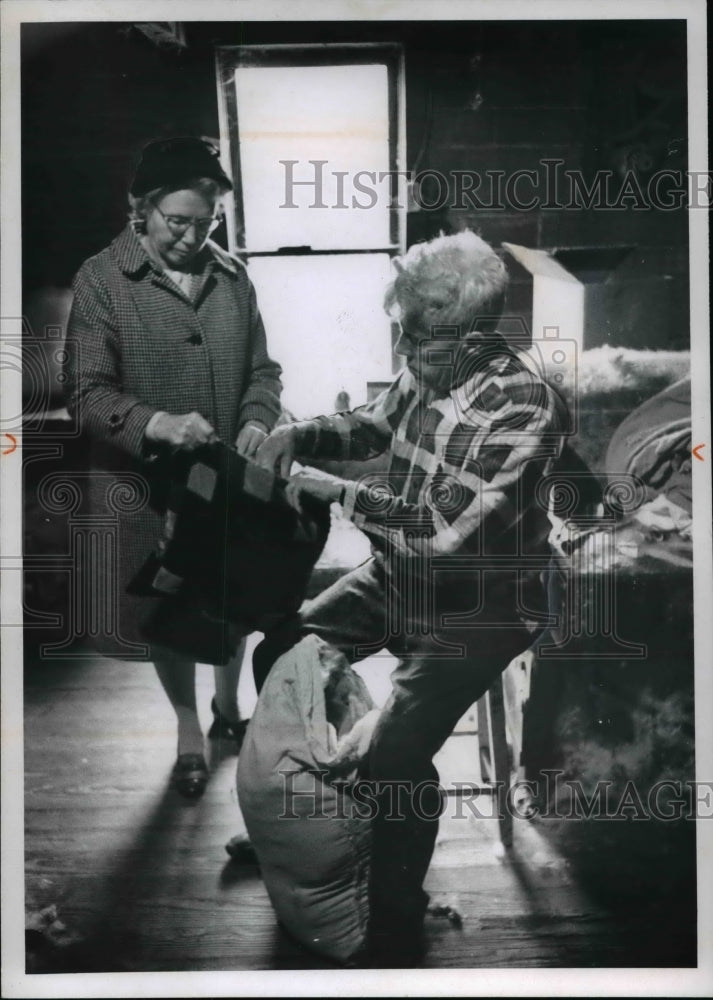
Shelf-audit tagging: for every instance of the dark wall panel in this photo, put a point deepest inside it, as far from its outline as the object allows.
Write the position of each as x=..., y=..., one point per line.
x=480, y=97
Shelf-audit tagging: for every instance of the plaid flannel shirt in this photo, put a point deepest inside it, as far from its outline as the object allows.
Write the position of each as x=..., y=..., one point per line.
x=464, y=465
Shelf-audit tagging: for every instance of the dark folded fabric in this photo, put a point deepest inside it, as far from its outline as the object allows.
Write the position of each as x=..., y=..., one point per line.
x=183, y=624
x=654, y=443
x=235, y=557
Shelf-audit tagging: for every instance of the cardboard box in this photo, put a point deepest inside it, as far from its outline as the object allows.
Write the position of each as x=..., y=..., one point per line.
x=573, y=292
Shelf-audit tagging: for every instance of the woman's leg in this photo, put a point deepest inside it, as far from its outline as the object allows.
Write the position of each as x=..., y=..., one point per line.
x=178, y=678
x=226, y=684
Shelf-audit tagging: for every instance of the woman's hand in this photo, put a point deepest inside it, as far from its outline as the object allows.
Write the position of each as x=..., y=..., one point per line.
x=277, y=451
x=318, y=484
x=185, y=431
x=250, y=438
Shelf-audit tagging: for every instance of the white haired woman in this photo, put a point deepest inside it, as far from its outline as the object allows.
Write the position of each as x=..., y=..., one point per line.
x=168, y=352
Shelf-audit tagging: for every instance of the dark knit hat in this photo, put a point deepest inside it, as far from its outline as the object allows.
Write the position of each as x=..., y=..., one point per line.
x=176, y=161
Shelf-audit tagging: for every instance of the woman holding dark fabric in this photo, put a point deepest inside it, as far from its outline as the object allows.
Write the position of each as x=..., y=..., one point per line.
x=168, y=352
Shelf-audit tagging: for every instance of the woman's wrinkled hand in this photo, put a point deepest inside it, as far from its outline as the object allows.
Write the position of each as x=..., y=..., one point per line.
x=277, y=451
x=185, y=431
x=249, y=439
x=317, y=484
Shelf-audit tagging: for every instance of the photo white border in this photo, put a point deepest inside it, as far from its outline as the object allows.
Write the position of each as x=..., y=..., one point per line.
x=421, y=982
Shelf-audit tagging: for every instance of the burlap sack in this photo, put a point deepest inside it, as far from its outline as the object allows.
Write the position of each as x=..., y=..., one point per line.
x=310, y=729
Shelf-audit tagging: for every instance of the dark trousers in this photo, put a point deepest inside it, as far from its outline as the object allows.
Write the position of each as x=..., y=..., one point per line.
x=433, y=686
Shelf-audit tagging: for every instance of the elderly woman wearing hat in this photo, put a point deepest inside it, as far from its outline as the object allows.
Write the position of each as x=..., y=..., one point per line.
x=168, y=351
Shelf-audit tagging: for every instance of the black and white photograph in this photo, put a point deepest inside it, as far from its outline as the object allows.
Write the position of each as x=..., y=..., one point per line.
x=356, y=563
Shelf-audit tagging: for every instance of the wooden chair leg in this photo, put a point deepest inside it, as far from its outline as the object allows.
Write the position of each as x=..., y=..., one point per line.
x=494, y=756
x=484, y=741
x=501, y=759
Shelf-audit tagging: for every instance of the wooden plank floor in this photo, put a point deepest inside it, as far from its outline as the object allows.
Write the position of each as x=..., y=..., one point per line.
x=141, y=881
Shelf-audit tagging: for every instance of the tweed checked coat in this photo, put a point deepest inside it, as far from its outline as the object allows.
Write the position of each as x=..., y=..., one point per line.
x=137, y=345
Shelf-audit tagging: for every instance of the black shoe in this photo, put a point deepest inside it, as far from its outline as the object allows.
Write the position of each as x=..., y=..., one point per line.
x=393, y=953
x=396, y=938
x=190, y=775
x=222, y=729
x=241, y=850
x=398, y=948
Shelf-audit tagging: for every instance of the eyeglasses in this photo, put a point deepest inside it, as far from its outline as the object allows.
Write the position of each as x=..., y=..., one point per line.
x=180, y=224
